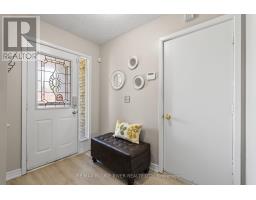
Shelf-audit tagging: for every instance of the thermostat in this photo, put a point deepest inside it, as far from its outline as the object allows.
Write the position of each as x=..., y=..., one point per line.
x=151, y=76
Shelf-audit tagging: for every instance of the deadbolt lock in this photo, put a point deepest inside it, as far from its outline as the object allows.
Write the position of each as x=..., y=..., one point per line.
x=74, y=112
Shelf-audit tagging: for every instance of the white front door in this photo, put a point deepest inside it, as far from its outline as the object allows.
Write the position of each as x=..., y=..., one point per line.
x=198, y=94
x=51, y=106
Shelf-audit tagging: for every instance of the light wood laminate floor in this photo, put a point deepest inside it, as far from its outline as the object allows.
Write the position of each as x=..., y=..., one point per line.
x=80, y=170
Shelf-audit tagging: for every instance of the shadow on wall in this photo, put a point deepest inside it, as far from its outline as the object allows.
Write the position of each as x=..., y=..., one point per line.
x=145, y=136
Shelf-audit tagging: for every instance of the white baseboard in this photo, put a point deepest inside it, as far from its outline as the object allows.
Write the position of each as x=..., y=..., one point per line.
x=13, y=174
x=154, y=167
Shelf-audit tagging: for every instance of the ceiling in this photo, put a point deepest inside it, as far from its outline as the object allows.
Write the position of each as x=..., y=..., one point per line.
x=98, y=28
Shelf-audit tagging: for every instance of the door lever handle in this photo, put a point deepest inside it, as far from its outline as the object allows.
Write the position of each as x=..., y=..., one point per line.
x=74, y=112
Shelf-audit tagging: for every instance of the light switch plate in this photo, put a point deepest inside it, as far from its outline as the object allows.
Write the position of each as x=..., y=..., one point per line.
x=127, y=99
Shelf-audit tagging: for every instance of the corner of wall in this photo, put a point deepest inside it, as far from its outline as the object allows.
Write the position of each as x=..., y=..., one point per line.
x=3, y=130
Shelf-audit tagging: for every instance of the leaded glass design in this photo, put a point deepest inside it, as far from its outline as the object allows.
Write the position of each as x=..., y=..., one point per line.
x=53, y=82
x=83, y=99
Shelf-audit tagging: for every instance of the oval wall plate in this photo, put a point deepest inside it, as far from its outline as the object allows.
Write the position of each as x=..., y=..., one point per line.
x=117, y=79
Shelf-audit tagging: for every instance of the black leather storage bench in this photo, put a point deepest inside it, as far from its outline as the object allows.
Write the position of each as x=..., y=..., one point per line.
x=122, y=157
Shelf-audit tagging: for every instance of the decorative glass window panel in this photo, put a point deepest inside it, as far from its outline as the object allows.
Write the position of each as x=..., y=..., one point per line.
x=83, y=99
x=53, y=82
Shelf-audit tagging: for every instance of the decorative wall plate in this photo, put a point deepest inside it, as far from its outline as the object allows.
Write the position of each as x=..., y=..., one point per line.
x=117, y=80
x=133, y=62
x=138, y=82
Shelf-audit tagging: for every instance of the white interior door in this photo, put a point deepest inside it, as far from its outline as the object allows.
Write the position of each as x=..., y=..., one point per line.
x=198, y=94
x=51, y=106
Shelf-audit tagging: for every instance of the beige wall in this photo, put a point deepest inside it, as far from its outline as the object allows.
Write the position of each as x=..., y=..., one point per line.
x=14, y=118
x=144, y=43
x=62, y=38
x=3, y=72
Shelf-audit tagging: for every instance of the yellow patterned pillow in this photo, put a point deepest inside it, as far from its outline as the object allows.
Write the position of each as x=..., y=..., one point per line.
x=130, y=132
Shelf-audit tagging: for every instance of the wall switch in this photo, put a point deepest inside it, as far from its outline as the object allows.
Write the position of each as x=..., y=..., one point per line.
x=127, y=99
x=99, y=60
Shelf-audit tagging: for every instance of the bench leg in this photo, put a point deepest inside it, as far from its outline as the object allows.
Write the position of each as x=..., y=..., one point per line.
x=94, y=159
x=130, y=181
x=146, y=170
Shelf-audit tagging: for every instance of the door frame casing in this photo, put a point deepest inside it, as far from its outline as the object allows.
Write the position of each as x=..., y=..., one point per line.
x=24, y=101
x=237, y=101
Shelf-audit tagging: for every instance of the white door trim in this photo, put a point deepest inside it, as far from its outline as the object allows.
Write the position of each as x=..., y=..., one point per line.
x=24, y=100
x=237, y=132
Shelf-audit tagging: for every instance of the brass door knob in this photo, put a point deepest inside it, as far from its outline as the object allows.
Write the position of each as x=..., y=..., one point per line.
x=167, y=116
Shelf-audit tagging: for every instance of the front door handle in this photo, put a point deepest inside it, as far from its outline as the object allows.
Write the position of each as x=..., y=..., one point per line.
x=74, y=112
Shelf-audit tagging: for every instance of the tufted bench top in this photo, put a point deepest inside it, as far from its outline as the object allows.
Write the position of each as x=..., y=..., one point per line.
x=124, y=147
